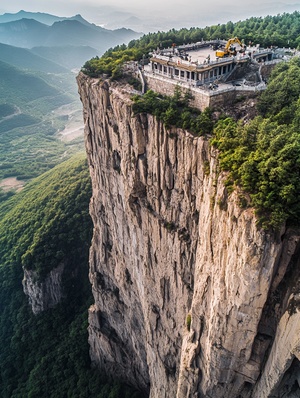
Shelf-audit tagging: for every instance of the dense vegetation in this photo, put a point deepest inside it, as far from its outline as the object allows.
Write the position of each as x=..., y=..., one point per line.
x=47, y=355
x=263, y=157
x=279, y=30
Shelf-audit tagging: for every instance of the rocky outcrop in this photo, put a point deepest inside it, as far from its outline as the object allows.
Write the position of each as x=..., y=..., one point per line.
x=46, y=293
x=192, y=299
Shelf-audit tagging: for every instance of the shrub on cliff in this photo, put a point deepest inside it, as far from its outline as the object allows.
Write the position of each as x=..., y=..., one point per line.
x=175, y=111
x=110, y=63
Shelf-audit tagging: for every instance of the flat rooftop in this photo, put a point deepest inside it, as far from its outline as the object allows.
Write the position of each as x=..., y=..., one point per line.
x=199, y=55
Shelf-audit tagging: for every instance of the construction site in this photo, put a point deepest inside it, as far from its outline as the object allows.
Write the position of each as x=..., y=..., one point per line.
x=214, y=71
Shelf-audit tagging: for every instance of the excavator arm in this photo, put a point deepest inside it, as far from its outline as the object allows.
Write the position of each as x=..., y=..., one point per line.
x=232, y=41
x=227, y=49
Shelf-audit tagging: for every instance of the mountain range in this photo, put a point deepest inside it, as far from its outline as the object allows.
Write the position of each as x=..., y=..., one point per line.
x=66, y=41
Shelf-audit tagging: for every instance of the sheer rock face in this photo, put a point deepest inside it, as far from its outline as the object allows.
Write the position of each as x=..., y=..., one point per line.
x=170, y=242
x=43, y=294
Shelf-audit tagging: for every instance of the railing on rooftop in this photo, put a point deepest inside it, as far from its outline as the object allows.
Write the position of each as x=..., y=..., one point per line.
x=224, y=60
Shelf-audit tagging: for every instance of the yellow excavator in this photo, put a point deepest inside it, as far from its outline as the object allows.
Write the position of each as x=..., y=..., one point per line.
x=229, y=49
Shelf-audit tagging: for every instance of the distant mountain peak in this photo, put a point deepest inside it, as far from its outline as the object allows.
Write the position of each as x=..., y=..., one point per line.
x=41, y=17
x=79, y=18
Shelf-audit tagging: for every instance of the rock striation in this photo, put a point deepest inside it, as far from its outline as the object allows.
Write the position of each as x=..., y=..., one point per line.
x=192, y=299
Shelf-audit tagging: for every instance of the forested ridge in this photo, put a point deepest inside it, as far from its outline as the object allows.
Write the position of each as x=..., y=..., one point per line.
x=47, y=219
x=280, y=30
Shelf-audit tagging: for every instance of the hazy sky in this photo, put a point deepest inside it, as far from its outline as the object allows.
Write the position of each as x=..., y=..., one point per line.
x=195, y=12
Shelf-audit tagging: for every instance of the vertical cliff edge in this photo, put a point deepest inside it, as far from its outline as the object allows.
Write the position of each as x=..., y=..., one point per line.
x=192, y=299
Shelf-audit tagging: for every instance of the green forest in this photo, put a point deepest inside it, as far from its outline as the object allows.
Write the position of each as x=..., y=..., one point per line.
x=41, y=227
x=175, y=111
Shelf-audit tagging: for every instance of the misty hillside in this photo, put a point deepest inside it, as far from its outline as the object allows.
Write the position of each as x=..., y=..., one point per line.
x=22, y=87
x=47, y=19
x=22, y=32
x=26, y=59
x=69, y=57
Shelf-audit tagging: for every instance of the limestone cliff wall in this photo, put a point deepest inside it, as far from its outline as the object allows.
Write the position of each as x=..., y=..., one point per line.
x=189, y=294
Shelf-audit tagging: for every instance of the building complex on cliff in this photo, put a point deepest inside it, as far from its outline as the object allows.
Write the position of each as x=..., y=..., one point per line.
x=213, y=80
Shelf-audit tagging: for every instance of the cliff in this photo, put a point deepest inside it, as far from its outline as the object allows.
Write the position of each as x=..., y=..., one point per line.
x=46, y=293
x=192, y=299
